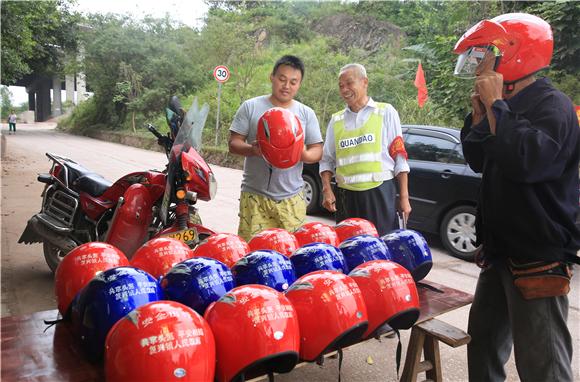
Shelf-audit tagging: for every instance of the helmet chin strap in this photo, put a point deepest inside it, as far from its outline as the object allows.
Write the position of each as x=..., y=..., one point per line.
x=509, y=87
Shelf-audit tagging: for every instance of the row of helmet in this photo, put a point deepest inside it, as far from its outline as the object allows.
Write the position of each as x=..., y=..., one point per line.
x=261, y=266
x=320, y=312
x=254, y=329
x=267, y=267
x=121, y=313
x=195, y=282
x=406, y=247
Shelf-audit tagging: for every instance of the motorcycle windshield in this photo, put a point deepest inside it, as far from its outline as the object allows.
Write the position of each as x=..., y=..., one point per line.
x=189, y=136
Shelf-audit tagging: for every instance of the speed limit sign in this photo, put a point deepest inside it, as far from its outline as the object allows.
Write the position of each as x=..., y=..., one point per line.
x=221, y=73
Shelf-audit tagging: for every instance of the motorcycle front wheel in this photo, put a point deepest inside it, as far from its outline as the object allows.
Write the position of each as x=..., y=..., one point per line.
x=53, y=255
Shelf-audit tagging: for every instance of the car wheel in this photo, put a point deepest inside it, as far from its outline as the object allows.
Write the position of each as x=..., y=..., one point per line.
x=311, y=194
x=458, y=232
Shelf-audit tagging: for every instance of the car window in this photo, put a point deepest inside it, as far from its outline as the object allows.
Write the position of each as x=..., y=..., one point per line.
x=456, y=156
x=432, y=149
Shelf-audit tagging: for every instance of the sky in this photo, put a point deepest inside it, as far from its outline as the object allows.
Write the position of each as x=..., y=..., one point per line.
x=189, y=12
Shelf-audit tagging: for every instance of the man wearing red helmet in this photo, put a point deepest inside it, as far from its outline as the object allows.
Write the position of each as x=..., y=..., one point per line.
x=523, y=135
x=364, y=149
x=271, y=195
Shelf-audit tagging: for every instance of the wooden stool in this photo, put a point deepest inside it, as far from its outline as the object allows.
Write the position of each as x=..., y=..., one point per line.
x=425, y=339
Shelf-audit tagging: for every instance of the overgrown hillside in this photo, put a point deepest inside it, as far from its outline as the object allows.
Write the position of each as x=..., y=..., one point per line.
x=133, y=67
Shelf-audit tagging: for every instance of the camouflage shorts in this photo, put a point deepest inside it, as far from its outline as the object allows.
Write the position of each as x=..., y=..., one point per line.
x=258, y=213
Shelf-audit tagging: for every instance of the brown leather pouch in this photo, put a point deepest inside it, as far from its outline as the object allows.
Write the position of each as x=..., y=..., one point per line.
x=541, y=279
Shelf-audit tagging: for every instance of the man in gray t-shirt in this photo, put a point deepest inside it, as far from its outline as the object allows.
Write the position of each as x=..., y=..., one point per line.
x=272, y=197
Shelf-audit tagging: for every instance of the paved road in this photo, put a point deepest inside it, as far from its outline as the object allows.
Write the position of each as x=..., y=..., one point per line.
x=27, y=284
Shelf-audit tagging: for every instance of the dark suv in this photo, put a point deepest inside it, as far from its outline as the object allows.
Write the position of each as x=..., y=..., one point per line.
x=443, y=189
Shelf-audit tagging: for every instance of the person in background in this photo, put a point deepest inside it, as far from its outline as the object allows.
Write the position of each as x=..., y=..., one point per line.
x=272, y=197
x=12, y=122
x=522, y=134
x=365, y=151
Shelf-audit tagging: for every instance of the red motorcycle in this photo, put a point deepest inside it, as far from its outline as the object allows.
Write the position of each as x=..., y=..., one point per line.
x=80, y=206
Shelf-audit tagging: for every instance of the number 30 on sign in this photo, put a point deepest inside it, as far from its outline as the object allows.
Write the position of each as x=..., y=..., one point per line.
x=221, y=73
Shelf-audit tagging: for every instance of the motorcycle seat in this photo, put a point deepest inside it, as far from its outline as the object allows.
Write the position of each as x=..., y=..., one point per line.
x=93, y=184
x=75, y=171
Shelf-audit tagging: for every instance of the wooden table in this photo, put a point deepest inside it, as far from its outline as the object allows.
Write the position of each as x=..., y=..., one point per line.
x=31, y=352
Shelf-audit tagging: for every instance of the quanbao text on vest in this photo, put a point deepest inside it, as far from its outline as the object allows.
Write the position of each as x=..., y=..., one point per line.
x=355, y=141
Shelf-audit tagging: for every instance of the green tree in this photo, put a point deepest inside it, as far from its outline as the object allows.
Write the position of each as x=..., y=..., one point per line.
x=6, y=102
x=248, y=36
x=162, y=57
x=129, y=90
x=35, y=35
x=563, y=17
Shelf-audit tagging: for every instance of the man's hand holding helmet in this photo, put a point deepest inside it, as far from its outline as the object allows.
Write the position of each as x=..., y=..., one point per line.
x=477, y=109
x=256, y=149
x=503, y=54
x=488, y=82
x=488, y=89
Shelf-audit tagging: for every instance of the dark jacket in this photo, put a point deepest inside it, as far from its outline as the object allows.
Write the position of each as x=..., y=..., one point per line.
x=528, y=198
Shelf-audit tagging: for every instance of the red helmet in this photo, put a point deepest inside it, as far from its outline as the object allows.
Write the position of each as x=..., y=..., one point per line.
x=158, y=256
x=331, y=312
x=524, y=41
x=160, y=341
x=390, y=294
x=280, y=137
x=225, y=247
x=79, y=267
x=316, y=232
x=277, y=239
x=255, y=329
x=354, y=227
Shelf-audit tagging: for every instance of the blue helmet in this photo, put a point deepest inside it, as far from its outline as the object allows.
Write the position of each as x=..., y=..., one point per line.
x=197, y=282
x=107, y=298
x=265, y=267
x=318, y=257
x=410, y=249
x=362, y=248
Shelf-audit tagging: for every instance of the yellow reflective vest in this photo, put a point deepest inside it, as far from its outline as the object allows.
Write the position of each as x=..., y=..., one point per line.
x=358, y=152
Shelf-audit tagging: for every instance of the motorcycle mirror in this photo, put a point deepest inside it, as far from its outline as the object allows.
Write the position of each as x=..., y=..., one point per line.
x=175, y=105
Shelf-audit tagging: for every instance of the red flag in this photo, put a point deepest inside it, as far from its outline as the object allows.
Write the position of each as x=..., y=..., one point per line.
x=421, y=86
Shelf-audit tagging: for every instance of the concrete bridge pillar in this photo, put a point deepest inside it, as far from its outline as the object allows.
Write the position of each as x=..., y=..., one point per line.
x=69, y=83
x=81, y=88
x=56, y=98
x=31, y=99
x=43, y=100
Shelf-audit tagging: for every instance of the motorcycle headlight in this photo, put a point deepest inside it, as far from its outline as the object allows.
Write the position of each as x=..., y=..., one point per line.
x=212, y=186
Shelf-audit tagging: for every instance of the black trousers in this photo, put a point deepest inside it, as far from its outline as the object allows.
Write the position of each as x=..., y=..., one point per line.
x=376, y=205
x=537, y=330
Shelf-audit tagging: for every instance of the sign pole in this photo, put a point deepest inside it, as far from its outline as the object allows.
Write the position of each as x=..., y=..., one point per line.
x=217, y=118
x=221, y=73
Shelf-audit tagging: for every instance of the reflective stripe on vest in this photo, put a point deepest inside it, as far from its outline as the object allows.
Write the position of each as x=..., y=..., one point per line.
x=358, y=152
x=354, y=182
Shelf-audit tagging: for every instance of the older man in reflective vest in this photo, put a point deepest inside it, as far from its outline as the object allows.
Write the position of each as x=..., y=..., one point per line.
x=364, y=149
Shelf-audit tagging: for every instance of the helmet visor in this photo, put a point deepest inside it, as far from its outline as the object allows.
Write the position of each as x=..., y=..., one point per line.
x=468, y=61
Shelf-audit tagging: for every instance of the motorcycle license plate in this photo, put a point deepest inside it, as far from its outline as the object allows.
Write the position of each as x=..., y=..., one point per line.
x=188, y=236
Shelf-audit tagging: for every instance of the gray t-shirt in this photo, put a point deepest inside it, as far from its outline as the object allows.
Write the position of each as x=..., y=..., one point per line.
x=259, y=176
